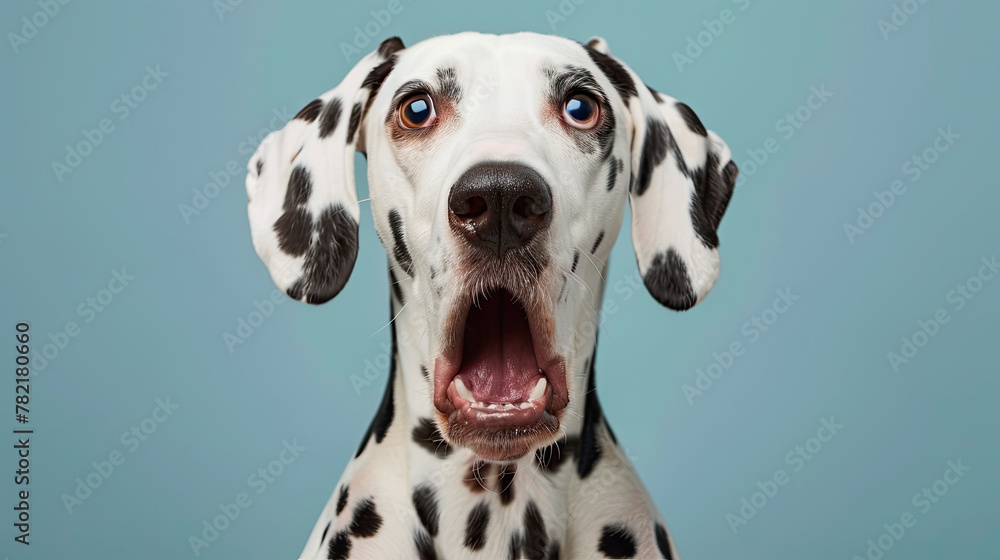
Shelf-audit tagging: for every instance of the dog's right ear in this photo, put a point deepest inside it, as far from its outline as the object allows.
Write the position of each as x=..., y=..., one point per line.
x=303, y=204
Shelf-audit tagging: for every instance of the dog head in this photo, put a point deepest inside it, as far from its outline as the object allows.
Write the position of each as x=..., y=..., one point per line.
x=498, y=167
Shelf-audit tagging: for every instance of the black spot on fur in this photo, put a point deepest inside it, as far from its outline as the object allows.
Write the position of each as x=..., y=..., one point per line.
x=710, y=199
x=448, y=84
x=299, y=188
x=505, y=483
x=310, y=111
x=322, y=538
x=475, y=526
x=536, y=540
x=654, y=149
x=514, y=546
x=656, y=94
x=553, y=551
x=600, y=237
x=373, y=81
x=294, y=229
x=551, y=457
x=366, y=521
x=589, y=451
x=668, y=282
x=426, y=435
x=424, y=372
x=425, y=545
x=475, y=480
x=663, y=541
x=340, y=547
x=342, y=498
x=729, y=174
x=383, y=416
x=692, y=120
x=260, y=166
x=352, y=125
x=617, y=542
x=613, y=170
x=390, y=46
x=425, y=502
x=329, y=118
x=330, y=257
x=576, y=261
x=400, y=250
x=396, y=288
x=616, y=73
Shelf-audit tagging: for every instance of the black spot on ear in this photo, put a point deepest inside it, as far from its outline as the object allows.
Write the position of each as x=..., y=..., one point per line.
x=340, y=547
x=366, y=521
x=712, y=191
x=505, y=483
x=475, y=526
x=616, y=73
x=589, y=451
x=390, y=46
x=373, y=81
x=600, y=237
x=294, y=229
x=426, y=505
x=400, y=250
x=322, y=538
x=654, y=149
x=342, y=499
x=396, y=288
x=576, y=261
x=310, y=111
x=692, y=120
x=729, y=174
x=551, y=457
x=331, y=255
x=426, y=435
x=617, y=542
x=656, y=94
x=553, y=551
x=383, y=416
x=352, y=125
x=536, y=540
x=663, y=541
x=667, y=281
x=260, y=166
x=425, y=545
x=448, y=84
x=329, y=118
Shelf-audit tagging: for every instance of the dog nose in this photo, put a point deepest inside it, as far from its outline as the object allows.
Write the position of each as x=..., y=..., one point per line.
x=498, y=206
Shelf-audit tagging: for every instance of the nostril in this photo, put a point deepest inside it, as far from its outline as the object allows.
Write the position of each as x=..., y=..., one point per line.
x=470, y=208
x=528, y=208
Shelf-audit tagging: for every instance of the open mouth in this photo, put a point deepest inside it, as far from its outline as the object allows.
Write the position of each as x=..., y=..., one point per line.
x=497, y=384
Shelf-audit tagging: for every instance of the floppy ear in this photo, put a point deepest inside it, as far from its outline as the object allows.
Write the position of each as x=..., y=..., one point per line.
x=683, y=177
x=303, y=204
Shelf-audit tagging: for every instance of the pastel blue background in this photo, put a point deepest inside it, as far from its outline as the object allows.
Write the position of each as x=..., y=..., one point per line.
x=826, y=356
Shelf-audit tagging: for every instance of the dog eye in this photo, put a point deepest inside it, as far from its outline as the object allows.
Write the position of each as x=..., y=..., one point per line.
x=416, y=111
x=581, y=111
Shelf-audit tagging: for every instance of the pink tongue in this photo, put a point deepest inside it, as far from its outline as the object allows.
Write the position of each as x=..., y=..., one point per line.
x=498, y=357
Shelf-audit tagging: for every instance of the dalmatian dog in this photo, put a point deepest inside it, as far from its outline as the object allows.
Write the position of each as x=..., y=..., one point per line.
x=498, y=167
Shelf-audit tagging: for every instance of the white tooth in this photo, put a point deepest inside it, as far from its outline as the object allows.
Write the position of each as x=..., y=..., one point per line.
x=525, y=405
x=539, y=390
x=495, y=406
x=463, y=392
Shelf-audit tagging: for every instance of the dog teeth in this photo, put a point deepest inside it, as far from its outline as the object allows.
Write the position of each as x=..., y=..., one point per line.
x=539, y=390
x=525, y=405
x=463, y=391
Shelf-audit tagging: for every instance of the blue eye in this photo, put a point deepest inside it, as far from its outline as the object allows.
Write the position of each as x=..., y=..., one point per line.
x=417, y=111
x=582, y=111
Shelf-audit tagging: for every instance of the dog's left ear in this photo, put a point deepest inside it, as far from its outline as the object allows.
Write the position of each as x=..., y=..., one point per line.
x=303, y=204
x=683, y=177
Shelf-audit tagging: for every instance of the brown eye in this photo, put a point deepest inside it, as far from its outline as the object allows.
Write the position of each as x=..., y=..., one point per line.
x=416, y=111
x=581, y=111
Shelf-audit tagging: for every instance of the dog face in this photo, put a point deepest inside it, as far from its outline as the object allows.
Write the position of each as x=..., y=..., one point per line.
x=498, y=169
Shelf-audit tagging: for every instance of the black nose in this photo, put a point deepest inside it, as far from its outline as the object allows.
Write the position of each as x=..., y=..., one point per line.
x=500, y=206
